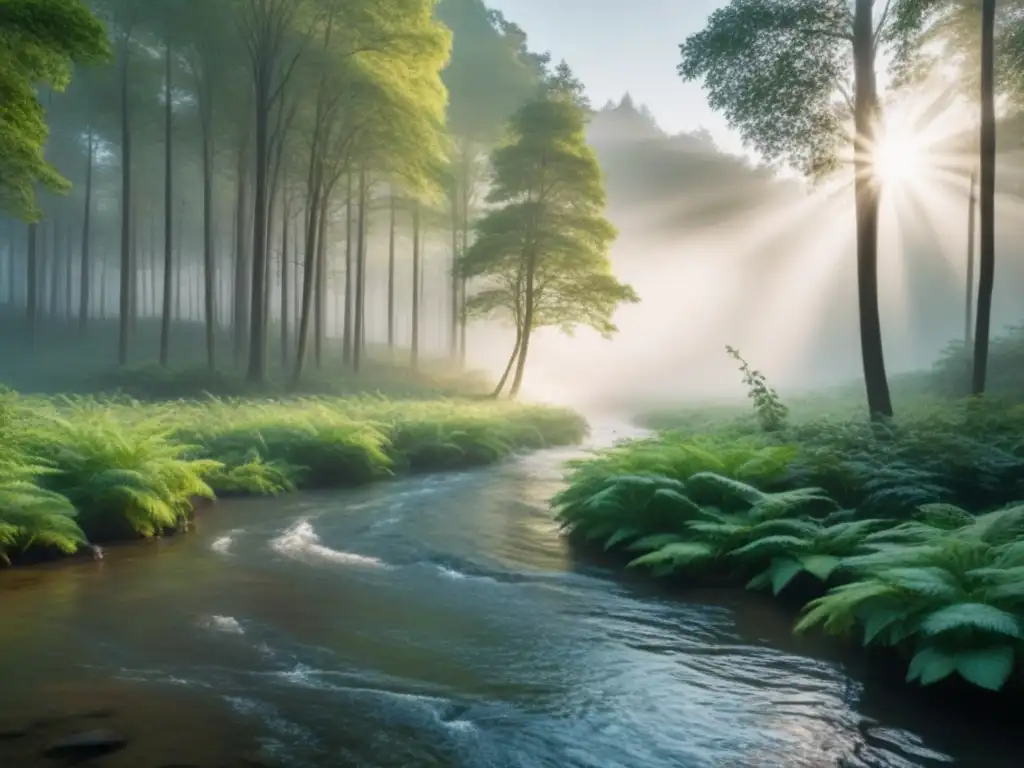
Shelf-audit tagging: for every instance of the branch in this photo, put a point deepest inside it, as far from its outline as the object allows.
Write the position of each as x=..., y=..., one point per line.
x=883, y=19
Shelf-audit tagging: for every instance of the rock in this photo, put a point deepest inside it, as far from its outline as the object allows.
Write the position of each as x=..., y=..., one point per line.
x=87, y=744
x=10, y=734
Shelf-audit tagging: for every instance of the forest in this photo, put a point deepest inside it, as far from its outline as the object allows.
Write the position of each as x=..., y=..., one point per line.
x=244, y=246
x=149, y=222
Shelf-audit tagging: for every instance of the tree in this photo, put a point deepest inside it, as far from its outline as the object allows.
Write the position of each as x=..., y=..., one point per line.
x=985, y=41
x=544, y=249
x=490, y=74
x=39, y=42
x=987, y=166
x=774, y=68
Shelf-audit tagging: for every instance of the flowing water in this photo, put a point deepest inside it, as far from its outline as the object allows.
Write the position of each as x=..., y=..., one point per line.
x=437, y=622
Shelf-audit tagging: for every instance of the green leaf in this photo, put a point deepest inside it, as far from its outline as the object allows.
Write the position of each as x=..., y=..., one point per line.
x=655, y=541
x=981, y=616
x=679, y=555
x=878, y=621
x=989, y=668
x=820, y=566
x=771, y=545
x=784, y=570
x=761, y=581
x=930, y=665
x=677, y=503
x=621, y=535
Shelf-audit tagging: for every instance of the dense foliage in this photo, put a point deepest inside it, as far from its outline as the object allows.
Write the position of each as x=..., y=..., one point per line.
x=542, y=250
x=280, y=170
x=40, y=41
x=78, y=470
x=915, y=526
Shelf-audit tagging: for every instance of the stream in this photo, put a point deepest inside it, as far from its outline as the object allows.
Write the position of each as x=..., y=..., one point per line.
x=436, y=622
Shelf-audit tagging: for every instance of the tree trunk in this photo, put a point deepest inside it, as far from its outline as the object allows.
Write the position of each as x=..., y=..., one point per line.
x=360, y=285
x=511, y=361
x=309, y=273
x=346, y=330
x=257, y=371
x=133, y=267
x=321, y=283
x=987, y=226
x=152, y=261
x=125, y=306
x=43, y=271
x=103, y=288
x=241, y=254
x=456, y=233
x=527, y=326
x=866, y=190
x=209, y=254
x=165, y=313
x=391, y=276
x=84, y=285
x=31, y=284
x=285, y=220
x=12, y=246
x=69, y=259
x=55, y=260
x=466, y=184
x=414, y=346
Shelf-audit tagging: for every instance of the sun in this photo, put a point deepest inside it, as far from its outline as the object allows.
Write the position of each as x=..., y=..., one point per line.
x=898, y=159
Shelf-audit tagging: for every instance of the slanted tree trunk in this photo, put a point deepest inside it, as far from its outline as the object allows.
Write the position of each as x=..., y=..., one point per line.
x=987, y=249
x=511, y=361
x=525, y=330
x=866, y=190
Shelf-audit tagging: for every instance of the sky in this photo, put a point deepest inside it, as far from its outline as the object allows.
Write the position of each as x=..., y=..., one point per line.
x=615, y=46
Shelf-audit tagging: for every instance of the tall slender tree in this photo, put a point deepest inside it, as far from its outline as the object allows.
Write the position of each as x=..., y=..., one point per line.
x=773, y=67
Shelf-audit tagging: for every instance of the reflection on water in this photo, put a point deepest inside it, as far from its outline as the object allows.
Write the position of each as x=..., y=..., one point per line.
x=440, y=622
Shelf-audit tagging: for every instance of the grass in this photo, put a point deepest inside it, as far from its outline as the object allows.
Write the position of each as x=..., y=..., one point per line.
x=78, y=470
x=908, y=535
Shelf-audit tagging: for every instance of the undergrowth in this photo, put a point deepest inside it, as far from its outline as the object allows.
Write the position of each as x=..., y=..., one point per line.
x=911, y=527
x=79, y=470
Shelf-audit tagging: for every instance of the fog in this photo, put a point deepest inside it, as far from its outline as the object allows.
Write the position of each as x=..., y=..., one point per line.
x=722, y=252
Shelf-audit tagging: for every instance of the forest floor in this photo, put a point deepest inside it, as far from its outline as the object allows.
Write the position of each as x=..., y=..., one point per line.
x=908, y=534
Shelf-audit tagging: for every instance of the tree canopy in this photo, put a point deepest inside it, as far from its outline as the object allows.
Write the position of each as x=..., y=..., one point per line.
x=543, y=248
x=40, y=40
x=782, y=71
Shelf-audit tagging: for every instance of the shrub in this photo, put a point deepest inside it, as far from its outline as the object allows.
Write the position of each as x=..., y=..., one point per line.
x=895, y=518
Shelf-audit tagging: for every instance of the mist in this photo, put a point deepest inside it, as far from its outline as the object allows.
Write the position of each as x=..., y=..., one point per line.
x=724, y=252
